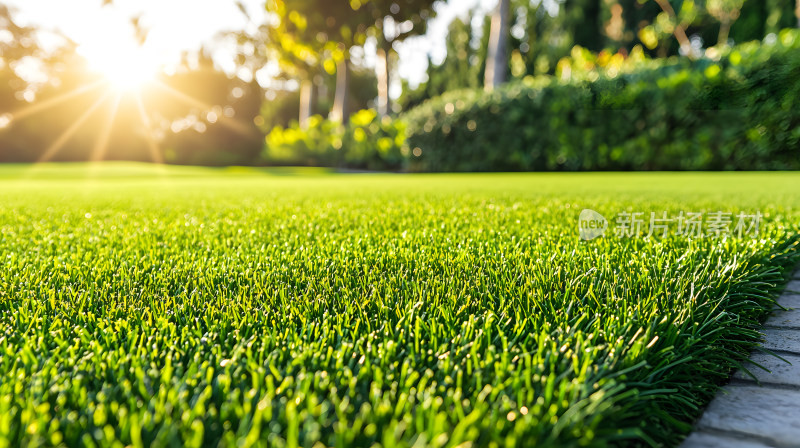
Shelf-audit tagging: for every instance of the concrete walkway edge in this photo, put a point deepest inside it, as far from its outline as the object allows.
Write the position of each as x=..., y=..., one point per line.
x=745, y=414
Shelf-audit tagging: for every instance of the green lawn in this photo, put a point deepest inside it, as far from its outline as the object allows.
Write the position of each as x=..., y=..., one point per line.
x=186, y=306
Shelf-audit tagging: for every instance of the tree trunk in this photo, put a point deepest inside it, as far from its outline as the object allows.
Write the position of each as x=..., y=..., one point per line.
x=340, y=111
x=306, y=101
x=797, y=13
x=679, y=32
x=382, y=68
x=724, y=31
x=497, y=59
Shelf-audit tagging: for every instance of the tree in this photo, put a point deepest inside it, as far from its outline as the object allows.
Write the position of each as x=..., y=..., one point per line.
x=460, y=68
x=310, y=36
x=497, y=60
x=21, y=45
x=288, y=42
x=395, y=21
x=297, y=48
x=679, y=27
x=17, y=95
x=350, y=28
x=726, y=11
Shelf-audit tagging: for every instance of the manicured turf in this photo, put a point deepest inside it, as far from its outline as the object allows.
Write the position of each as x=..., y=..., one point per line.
x=186, y=306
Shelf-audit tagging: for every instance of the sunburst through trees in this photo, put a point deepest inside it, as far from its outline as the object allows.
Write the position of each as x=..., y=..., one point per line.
x=113, y=99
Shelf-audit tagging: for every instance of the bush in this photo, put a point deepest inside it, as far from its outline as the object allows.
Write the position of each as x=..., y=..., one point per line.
x=366, y=142
x=737, y=111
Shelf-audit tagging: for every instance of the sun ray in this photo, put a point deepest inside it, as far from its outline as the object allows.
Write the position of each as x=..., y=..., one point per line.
x=155, y=151
x=52, y=102
x=69, y=132
x=230, y=123
x=101, y=144
x=188, y=99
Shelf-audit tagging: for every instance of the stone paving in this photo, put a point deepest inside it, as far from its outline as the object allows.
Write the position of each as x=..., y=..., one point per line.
x=747, y=415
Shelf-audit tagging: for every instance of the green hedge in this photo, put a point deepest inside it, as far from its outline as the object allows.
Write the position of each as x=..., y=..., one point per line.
x=740, y=112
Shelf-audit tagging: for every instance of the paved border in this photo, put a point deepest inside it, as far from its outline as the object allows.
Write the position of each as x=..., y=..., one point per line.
x=765, y=412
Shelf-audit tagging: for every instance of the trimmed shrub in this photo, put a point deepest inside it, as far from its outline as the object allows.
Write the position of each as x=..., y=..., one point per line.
x=366, y=142
x=738, y=112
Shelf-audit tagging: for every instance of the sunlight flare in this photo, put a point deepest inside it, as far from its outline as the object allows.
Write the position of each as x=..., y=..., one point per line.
x=55, y=101
x=69, y=132
x=126, y=65
x=230, y=123
x=101, y=144
x=152, y=144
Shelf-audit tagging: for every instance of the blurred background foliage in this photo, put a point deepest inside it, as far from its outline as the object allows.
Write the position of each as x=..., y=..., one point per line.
x=585, y=85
